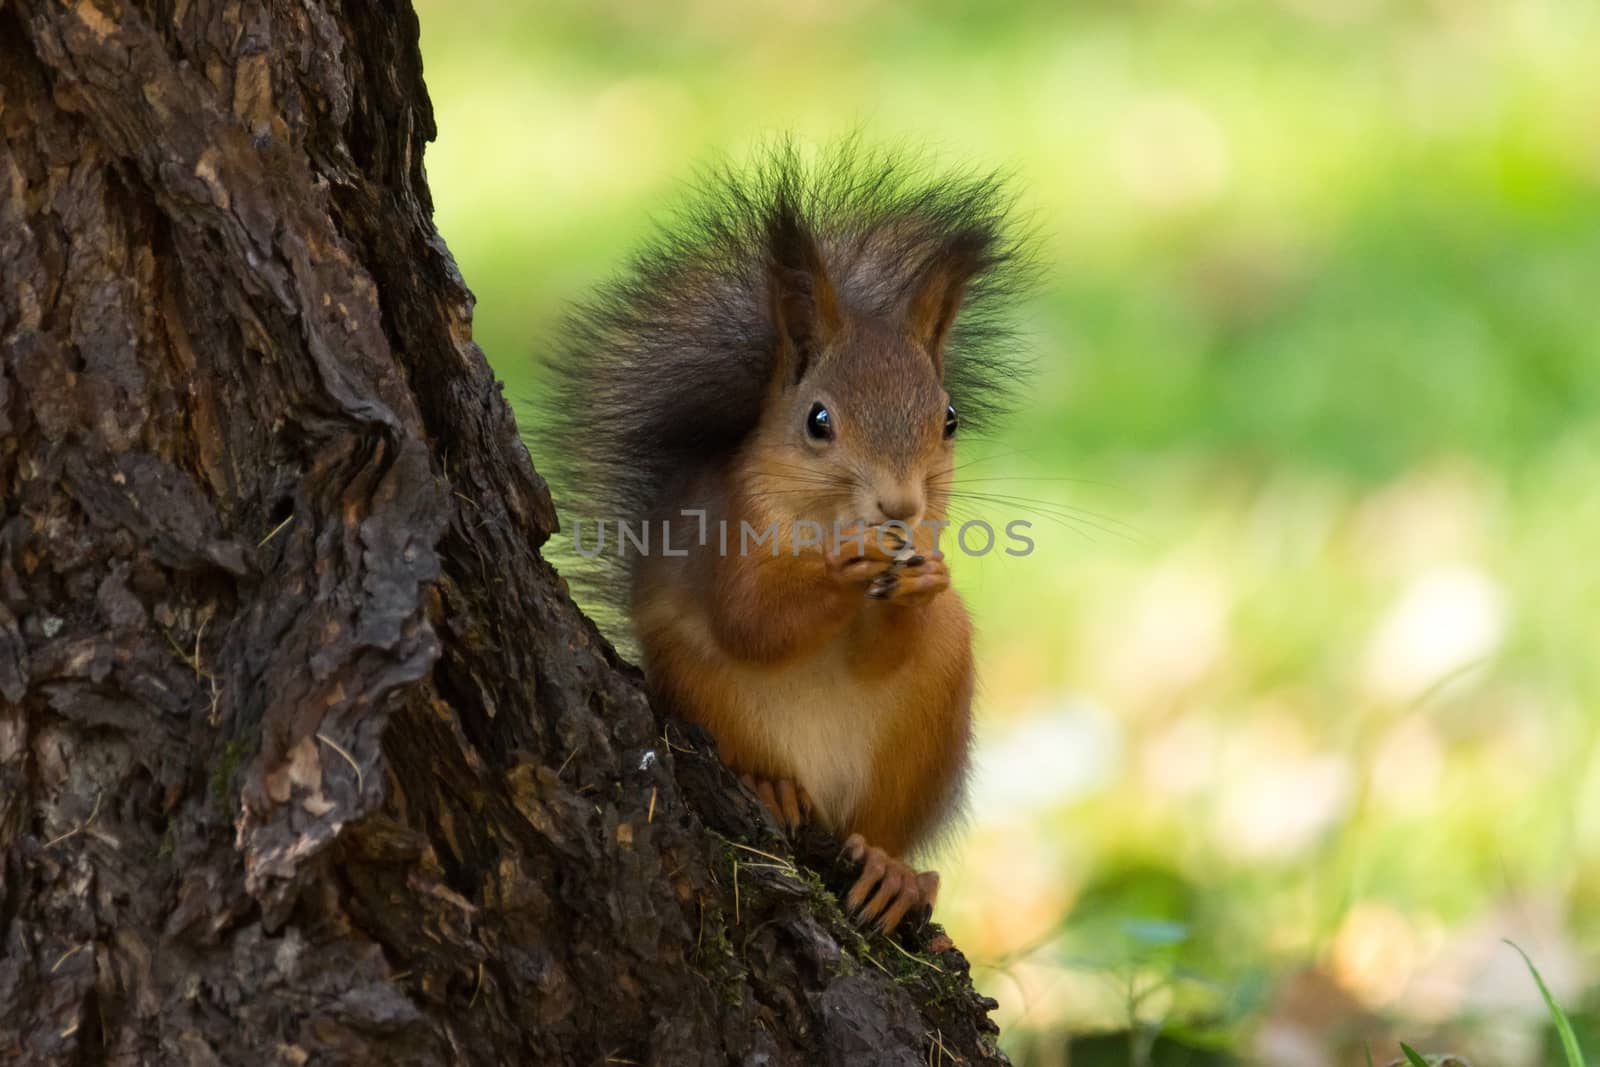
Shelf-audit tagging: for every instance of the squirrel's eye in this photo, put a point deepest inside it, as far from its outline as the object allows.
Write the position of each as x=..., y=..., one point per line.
x=950, y=421
x=819, y=424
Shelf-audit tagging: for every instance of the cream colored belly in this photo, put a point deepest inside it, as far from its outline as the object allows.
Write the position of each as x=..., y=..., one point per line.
x=821, y=721
x=813, y=720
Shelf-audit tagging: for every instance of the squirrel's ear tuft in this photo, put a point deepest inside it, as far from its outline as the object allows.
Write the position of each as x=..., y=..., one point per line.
x=800, y=298
x=934, y=296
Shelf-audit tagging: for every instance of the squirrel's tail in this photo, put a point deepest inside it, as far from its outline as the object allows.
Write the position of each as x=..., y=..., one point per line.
x=661, y=372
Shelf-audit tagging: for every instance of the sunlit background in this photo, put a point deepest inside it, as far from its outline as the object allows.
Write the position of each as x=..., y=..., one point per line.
x=1290, y=719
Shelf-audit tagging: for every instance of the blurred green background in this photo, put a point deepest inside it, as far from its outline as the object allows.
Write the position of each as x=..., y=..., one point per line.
x=1291, y=717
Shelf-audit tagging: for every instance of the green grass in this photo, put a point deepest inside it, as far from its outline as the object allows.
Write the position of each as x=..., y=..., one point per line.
x=1569, y=1040
x=1413, y=1057
x=1310, y=675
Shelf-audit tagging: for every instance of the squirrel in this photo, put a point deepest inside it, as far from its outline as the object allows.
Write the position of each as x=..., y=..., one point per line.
x=775, y=386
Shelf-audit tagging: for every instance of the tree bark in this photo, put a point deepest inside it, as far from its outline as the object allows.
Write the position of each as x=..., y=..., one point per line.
x=305, y=754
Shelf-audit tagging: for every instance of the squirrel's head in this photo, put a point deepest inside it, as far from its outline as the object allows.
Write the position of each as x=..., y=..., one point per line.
x=856, y=424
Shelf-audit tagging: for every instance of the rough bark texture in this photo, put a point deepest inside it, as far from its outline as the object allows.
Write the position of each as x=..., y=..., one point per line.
x=305, y=754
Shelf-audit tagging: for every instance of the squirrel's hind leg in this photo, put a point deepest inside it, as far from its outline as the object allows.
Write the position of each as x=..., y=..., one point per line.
x=888, y=888
x=789, y=803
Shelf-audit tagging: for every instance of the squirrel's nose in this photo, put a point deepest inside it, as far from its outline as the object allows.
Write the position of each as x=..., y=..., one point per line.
x=900, y=506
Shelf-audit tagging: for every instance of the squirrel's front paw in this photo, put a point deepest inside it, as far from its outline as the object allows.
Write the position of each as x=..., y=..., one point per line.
x=919, y=580
x=861, y=555
x=887, y=888
x=783, y=797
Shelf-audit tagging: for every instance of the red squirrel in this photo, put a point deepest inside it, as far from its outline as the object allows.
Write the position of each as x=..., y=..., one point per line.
x=771, y=395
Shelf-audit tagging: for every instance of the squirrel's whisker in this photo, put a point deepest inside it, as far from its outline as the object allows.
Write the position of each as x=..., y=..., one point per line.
x=1059, y=505
x=992, y=457
x=1049, y=506
x=986, y=478
x=1059, y=513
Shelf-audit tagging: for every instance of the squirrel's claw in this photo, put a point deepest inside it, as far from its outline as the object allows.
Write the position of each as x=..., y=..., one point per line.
x=887, y=889
x=919, y=580
x=863, y=554
x=857, y=569
x=788, y=802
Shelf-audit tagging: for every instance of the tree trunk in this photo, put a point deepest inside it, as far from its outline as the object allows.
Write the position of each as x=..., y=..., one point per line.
x=305, y=754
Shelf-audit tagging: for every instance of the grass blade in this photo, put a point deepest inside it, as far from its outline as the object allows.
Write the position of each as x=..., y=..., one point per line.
x=1569, y=1040
x=1413, y=1056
